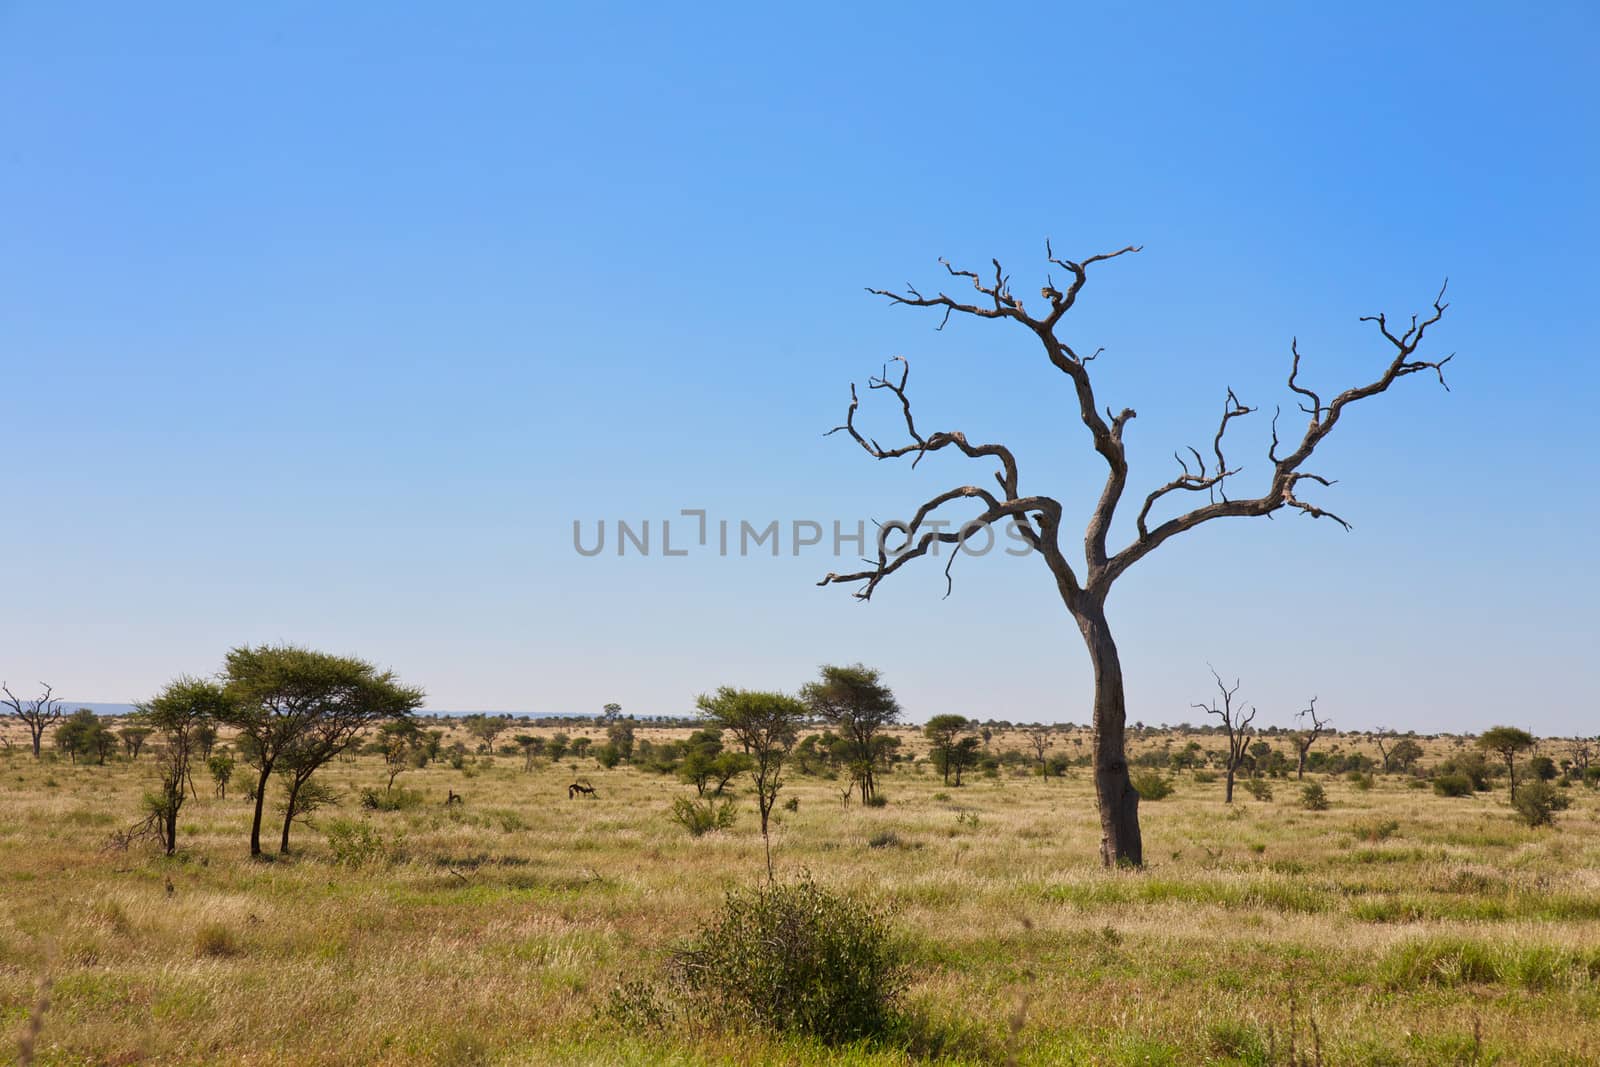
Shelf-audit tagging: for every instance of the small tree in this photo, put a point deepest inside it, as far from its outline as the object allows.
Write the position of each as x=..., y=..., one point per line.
x=1235, y=723
x=531, y=745
x=399, y=741
x=133, y=739
x=79, y=733
x=1039, y=738
x=557, y=746
x=1405, y=753
x=1304, y=739
x=1507, y=741
x=854, y=701
x=37, y=714
x=700, y=752
x=220, y=764
x=1538, y=803
x=766, y=725
x=619, y=734
x=486, y=728
x=944, y=733
x=175, y=714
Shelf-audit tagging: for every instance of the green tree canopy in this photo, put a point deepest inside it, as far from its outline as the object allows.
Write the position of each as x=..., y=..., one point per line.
x=855, y=702
x=303, y=708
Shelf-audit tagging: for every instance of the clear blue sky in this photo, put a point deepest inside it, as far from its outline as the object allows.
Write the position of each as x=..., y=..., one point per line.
x=324, y=325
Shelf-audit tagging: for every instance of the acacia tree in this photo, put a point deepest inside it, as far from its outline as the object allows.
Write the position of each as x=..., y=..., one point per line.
x=303, y=707
x=854, y=701
x=1304, y=739
x=37, y=714
x=1037, y=520
x=133, y=739
x=766, y=725
x=1506, y=742
x=398, y=742
x=176, y=714
x=1235, y=722
x=944, y=734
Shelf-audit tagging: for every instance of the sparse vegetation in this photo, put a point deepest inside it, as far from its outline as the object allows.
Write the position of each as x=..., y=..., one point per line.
x=559, y=911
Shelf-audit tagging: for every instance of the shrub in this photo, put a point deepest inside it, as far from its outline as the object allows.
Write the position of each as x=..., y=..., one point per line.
x=792, y=804
x=1236, y=1041
x=1453, y=785
x=356, y=843
x=1314, y=798
x=1362, y=782
x=215, y=939
x=373, y=799
x=883, y=839
x=702, y=816
x=1205, y=777
x=1376, y=830
x=1152, y=786
x=1257, y=788
x=877, y=800
x=1538, y=801
x=798, y=958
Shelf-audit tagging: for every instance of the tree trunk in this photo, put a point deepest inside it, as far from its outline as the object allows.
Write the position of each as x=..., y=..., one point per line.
x=1300, y=768
x=288, y=814
x=1227, y=793
x=261, y=799
x=172, y=823
x=1120, y=844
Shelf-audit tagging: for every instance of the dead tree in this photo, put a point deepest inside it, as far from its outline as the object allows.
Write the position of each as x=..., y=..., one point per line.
x=1382, y=738
x=1037, y=520
x=1039, y=738
x=1237, y=725
x=1304, y=739
x=37, y=714
x=1582, y=753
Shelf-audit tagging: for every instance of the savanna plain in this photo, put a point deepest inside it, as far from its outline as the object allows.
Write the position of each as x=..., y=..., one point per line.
x=1394, y=926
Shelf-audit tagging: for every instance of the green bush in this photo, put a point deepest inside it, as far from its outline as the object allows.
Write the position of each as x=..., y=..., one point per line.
x=877, y=800
x=1314, y=798
x=1362, y=782
x=1538, y=801
x=373, y=799
x=1152, y=786
x=1257, y=788
x=356, y=843
x=1205, y=777
x=798, y=958
x=702, y=816
x=1453, y=785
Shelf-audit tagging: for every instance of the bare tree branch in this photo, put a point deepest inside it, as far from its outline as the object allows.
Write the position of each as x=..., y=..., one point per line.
x=1287, y=474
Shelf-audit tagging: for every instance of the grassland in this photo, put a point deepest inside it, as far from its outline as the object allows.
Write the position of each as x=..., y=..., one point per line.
x=502, y=926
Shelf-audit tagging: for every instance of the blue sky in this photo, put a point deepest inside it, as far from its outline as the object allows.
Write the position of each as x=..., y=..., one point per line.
x=324, y=326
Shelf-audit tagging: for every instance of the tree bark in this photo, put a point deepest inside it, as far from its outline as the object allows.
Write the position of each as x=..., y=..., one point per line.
x=1120, y=843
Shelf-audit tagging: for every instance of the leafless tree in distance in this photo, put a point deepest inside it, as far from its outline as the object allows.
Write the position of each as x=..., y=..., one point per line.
x=36, y=714
x=1038, y=519
x=1304, y=739
x=1235, y=722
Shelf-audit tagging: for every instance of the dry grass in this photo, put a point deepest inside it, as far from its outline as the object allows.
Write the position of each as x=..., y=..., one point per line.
x=500, y=930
